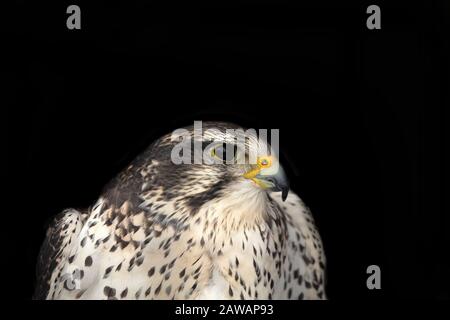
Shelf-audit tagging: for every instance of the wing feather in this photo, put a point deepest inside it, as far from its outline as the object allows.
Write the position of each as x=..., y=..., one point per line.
x=55, y=250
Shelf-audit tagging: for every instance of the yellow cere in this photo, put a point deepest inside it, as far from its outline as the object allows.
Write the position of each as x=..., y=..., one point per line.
x=264, y=162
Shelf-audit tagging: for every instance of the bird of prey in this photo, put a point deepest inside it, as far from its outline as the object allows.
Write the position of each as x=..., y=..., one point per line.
x=162, y=230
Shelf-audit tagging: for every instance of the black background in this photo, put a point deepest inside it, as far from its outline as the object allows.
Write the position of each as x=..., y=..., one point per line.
x=360, y=114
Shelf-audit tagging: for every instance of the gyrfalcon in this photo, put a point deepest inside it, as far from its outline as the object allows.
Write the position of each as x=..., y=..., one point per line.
x=166, y=230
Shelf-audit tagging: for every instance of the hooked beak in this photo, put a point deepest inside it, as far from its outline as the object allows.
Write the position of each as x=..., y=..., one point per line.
x=269, y=178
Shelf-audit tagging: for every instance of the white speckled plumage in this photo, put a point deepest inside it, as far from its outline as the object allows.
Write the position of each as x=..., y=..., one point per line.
x=186, y=232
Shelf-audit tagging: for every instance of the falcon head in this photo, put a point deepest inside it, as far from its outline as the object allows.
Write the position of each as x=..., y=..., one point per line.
x=220, y=159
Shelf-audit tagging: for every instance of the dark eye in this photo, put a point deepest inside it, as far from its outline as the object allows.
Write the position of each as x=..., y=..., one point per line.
x=224, y=152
